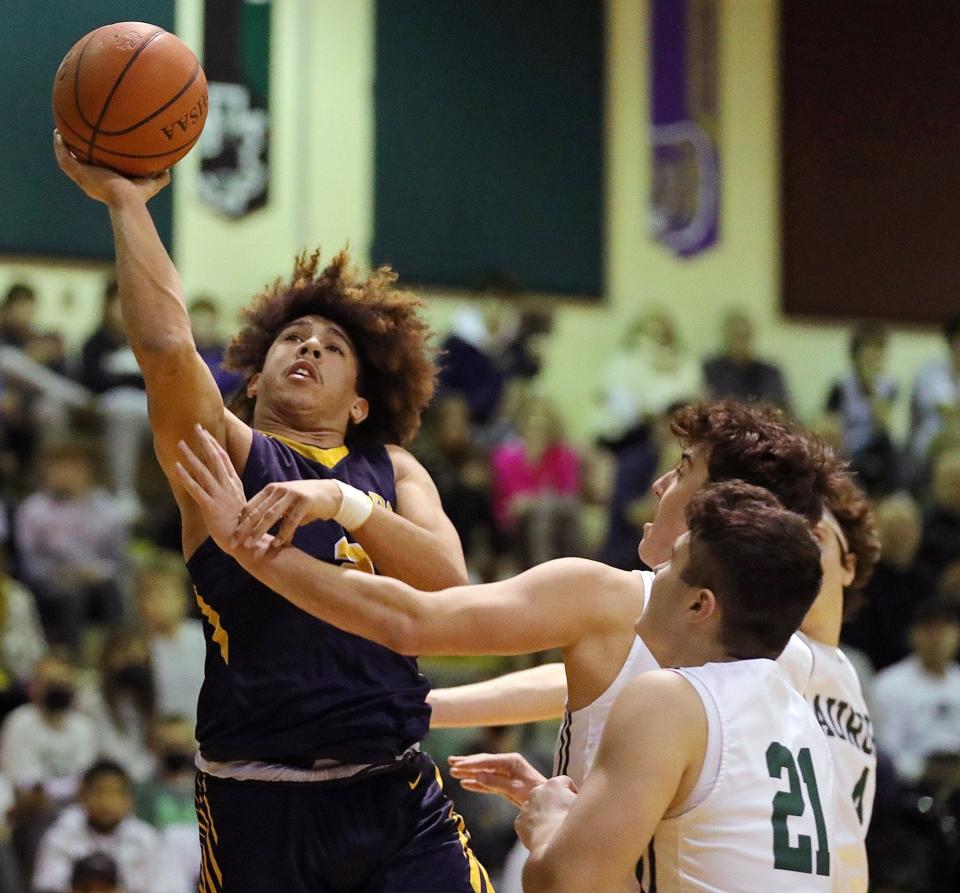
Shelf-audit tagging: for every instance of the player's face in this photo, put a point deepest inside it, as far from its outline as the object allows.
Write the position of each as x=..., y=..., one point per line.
x=837, y=563
x=311, y=368
x=668, y=601
x=673, y=492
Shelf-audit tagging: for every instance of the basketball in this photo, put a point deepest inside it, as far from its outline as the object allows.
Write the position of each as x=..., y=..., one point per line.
x=131, y=97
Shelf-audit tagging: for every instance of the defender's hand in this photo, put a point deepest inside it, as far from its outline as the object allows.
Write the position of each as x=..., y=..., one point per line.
x=215, y=486
x=544, y=811
x=294, y=503
x=508, y=774
x=103, y=184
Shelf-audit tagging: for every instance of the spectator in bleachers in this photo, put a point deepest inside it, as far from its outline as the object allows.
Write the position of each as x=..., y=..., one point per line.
x=467, y=367
x=103, y=822
x=49, y=742
x=96, y=873
x=940, y=543
x=737, y=371
x=166, y=799
x=72, y=535
x=631, y=504
x=650, y=370
x=177, y=646
x=45, y=747
x=917, y=701
x=205, y=324
x=935, y=400
x=537, y=487
x=122, y=706
x=34, y=392
x=879, y=629
x=460, y=470
x=17, y=314
x=22, y=642
x=109, y=369
x=861, y=403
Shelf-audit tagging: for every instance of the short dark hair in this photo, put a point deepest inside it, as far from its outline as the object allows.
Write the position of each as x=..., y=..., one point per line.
x=98, y=866
x=203, y=302
x=18, y=292
x=761, y=445
x=397, y=368
x=867, y=333
x=107, y=767
x=760, y=560
x=934, y=610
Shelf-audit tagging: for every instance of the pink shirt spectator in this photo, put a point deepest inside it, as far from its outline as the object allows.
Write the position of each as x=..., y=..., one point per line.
x=557, y=471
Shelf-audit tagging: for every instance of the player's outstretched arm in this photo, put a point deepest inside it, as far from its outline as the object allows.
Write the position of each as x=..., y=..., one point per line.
x=532, y=695
x=416, y=543
x=650, y=754
x=554, y=605
x=180, y=389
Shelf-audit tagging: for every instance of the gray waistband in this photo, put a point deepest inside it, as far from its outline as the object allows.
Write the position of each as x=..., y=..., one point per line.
x=322, y=770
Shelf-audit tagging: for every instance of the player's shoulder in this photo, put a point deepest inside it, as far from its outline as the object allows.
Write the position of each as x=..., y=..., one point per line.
x=797, y=662
x=593, y=578
x=404, y=463
x=657, y=690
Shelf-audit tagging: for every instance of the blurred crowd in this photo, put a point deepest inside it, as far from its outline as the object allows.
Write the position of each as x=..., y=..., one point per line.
x=101, y=645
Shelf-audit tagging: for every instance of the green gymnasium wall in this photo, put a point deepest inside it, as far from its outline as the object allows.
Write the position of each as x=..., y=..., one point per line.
x=41, y=212
x=489, y=143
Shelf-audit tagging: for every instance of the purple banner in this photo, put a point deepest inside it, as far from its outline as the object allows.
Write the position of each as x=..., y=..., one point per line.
x=685, y=191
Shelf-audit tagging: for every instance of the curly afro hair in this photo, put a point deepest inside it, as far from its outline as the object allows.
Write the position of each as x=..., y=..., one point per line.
x=397, y=365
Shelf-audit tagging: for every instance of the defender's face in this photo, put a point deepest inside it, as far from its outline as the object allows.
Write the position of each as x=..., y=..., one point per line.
x=311, y=364
x=673, y=492
x=668, y=599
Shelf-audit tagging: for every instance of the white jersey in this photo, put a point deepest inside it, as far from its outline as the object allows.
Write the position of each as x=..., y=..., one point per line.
x=765, y=823
x=581, y=730
x=834, y=693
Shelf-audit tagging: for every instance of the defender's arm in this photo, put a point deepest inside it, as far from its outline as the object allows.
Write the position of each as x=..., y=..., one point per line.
x=532, y=695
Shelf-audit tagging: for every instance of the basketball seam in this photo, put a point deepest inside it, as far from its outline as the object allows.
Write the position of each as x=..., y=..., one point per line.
x=164, y=107
x=101, y=149
x=172, y=151
x=116, y=84
x=76, y=83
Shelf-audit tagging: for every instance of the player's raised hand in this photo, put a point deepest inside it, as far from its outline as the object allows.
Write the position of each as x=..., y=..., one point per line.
x=101, y=183
x=508, y=774
x=213, y=483
x=292, y=504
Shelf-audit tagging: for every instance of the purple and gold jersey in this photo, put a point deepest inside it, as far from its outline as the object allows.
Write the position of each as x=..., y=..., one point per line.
x=280, y=685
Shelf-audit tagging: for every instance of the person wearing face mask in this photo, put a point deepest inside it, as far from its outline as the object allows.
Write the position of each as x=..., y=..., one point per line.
x=45, y=746
x=122, y=706
x=103, y=822
x=48, y=742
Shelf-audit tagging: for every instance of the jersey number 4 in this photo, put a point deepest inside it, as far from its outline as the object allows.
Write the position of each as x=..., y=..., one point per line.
x=787, y=856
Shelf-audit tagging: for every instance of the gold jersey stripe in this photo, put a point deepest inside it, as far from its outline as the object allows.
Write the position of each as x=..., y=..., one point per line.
x=213, y=618
x=328, y=458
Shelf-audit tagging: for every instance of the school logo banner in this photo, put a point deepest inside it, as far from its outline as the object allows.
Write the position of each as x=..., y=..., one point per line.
x=234, y=148
x=684, y=126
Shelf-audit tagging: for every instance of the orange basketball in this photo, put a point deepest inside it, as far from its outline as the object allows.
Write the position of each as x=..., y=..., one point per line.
x=131, y=97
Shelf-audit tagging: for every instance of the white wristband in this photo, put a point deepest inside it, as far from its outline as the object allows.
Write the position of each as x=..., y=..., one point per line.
x=355, y=507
